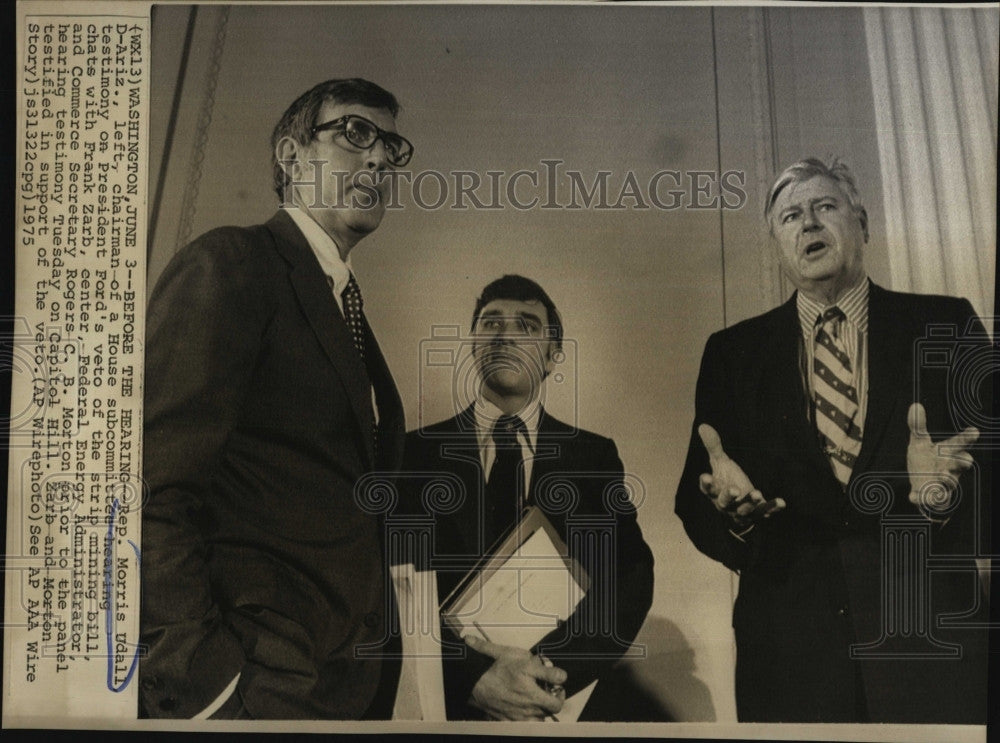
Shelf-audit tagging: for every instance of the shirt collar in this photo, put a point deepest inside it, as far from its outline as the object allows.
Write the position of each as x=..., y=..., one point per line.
x=853, y=303
x=325, y=249
x=487, y=414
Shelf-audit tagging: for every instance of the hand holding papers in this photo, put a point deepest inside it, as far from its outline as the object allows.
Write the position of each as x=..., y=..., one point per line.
x=519, y=593
x=512, y=687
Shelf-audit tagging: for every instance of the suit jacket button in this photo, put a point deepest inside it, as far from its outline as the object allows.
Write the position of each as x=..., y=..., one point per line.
x=168, y=704
x=371, y=620
x=842, y=611
x=151, y=683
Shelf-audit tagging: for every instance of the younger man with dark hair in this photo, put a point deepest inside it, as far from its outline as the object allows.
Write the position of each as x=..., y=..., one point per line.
x=509, y=453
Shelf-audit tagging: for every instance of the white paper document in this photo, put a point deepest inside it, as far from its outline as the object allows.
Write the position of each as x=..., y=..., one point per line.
x=420, y=695
x=522, y=593
x=524, y=599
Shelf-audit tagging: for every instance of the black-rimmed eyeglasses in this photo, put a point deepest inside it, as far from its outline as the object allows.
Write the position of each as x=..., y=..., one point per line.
x=363, y=133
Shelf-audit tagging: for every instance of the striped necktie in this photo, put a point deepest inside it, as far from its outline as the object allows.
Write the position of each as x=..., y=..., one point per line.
x=836, y=397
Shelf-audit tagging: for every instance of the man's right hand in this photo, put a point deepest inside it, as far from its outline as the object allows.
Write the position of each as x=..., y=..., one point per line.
x=728, y=487
x=510, y=689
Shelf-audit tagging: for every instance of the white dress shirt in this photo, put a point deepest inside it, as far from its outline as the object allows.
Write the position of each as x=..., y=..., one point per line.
x=326, y=251
x=486, y=414
x=854, y=304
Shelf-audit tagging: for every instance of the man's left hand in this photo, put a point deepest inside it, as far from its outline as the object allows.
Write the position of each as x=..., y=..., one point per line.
x=934, y=468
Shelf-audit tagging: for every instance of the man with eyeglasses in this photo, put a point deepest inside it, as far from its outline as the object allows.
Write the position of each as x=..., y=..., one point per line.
x=264, y=591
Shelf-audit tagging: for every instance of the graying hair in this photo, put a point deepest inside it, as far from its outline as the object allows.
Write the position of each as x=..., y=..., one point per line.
x=811, y=167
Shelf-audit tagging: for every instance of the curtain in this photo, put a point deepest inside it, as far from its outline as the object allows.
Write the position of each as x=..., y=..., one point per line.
x=934, y=79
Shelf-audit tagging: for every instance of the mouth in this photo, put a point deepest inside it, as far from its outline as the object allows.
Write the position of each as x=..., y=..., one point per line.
x=814, y=248
x=507, y=358
x=500, y=357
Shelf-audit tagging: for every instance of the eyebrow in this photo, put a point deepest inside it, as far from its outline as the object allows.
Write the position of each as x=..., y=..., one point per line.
x=519, y=315
x=812, y=201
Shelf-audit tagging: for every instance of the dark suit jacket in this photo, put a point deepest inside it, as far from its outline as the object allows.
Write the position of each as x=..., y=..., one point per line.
x=256, y=557
x=577, y=481
x=811, y=577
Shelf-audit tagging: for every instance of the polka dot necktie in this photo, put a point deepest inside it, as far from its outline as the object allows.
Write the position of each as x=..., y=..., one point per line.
x=354, y=315
x=836, y=397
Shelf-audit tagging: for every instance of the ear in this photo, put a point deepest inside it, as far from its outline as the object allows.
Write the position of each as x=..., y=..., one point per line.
x=288, y=154
x=863, y=217
x=550, y=363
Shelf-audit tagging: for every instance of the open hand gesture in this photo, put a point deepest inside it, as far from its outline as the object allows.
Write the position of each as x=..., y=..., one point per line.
x=729, y=488
x=934, y=468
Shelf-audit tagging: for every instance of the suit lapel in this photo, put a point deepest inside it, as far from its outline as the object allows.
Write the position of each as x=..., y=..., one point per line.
x=461, y=444
x=327, y=323
x=887, y=360
x=458, y=452
x=390, y=408
x=784, y=392
x=888, y=368
x=552, y=435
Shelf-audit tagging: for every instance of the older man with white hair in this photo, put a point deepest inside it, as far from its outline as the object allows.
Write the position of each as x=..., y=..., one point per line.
x=834, y=465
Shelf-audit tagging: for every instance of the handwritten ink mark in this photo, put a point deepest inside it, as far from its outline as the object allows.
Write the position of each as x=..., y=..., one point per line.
x=109, y=613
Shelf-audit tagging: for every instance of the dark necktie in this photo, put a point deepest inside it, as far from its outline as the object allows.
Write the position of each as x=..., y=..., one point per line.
x=355, y=317
x=504, y=486
x=354, y=314
x=836, y=397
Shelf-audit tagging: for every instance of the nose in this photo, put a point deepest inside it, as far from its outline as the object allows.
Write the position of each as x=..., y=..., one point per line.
x=810, y=222
x=501, y=332
x=377, y=158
